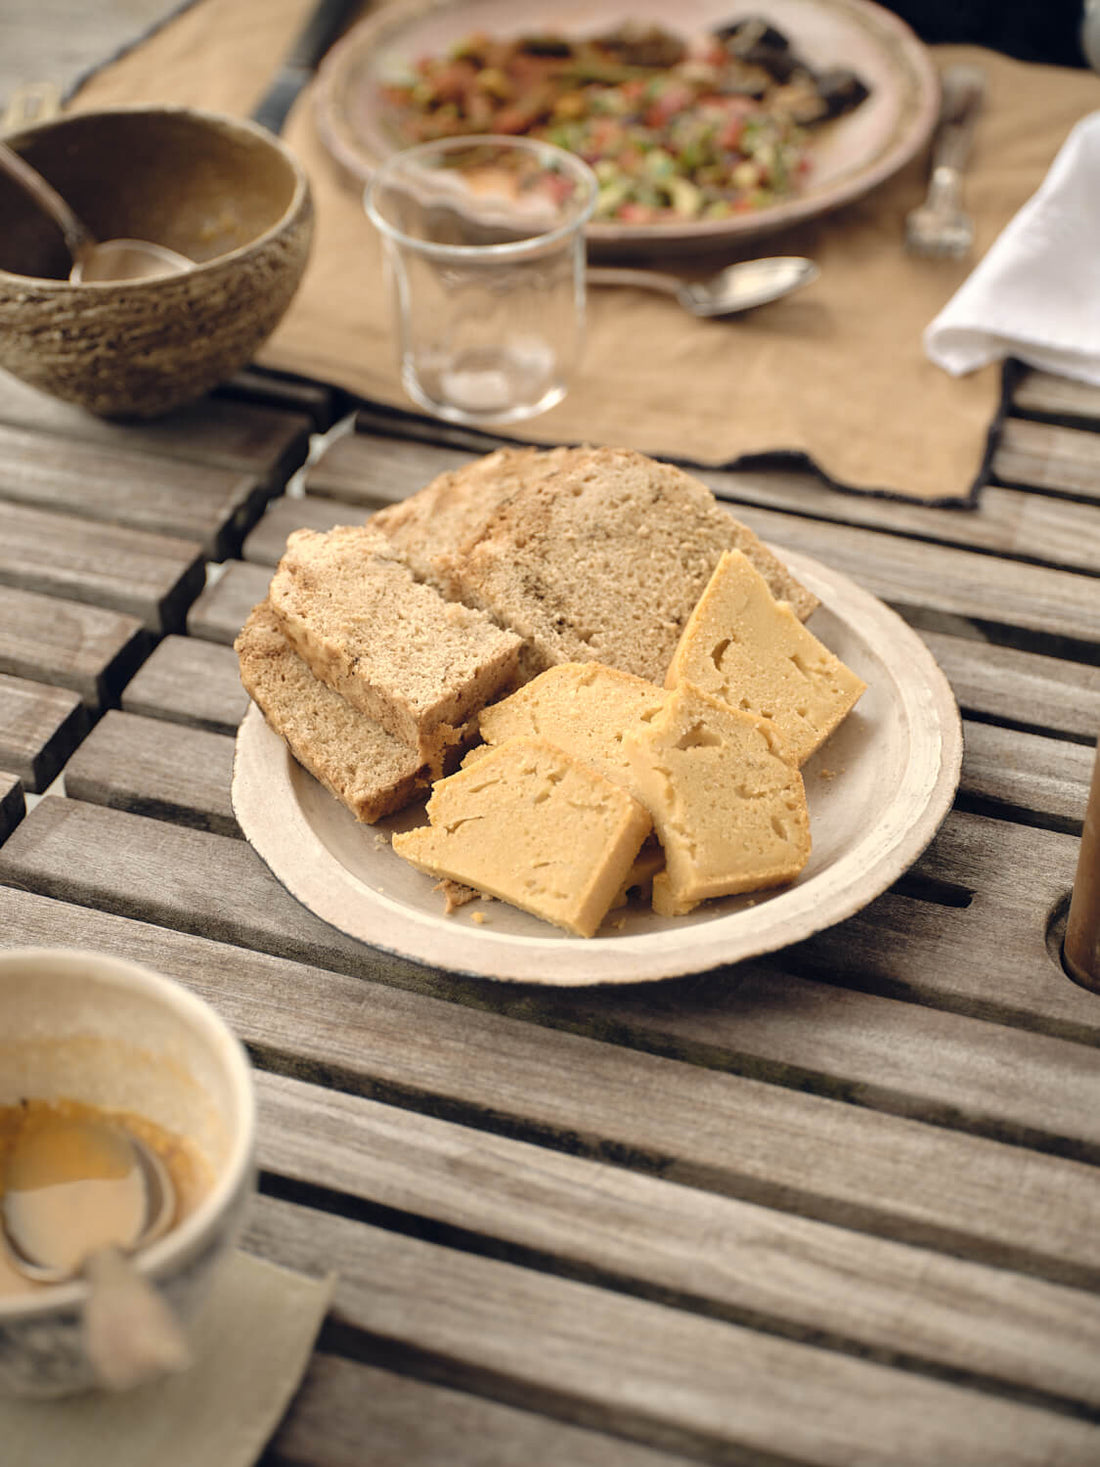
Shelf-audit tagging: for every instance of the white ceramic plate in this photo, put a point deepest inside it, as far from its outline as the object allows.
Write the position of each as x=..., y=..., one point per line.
x=877, y=792
x=850, y=156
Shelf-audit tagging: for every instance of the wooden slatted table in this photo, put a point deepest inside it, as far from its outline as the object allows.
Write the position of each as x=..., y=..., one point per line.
x=837, y=1207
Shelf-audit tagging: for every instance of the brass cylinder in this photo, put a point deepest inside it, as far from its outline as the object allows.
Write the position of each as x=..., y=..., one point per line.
x=1081, y=949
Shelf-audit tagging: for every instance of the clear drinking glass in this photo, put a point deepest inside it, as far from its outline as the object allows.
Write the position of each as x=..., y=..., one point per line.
x=485, y=250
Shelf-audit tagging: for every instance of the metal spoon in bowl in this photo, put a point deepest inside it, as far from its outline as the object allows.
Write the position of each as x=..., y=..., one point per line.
x=109, y=259
x=736, y=288
x=79, y=1195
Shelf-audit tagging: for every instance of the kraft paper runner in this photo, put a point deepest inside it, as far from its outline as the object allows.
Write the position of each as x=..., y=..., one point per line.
x=836, y=372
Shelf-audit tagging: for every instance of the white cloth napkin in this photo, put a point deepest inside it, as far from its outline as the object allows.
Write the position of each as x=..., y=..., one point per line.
x=1036, y=294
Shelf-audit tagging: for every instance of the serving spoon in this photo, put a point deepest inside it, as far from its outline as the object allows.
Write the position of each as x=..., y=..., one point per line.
x=80, y=1195
x=102, y=260
x=736, y=288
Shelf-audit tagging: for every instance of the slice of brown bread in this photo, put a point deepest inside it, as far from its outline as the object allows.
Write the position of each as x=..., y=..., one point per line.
x=366, y=768
x=451, y=511
x=743, y=646
x=532, y=826
x=394, y=648
x=604, y=560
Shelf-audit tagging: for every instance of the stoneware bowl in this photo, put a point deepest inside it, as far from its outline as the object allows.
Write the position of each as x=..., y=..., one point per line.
x=87, y=1027
x=226, y=193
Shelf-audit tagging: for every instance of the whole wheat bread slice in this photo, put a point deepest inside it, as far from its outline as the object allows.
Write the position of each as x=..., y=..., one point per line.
x=450, y=512
x=366, y=768
x=420, y=666
x=603, y=559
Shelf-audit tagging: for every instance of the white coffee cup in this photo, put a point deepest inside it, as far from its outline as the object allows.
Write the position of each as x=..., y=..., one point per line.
x=87, y=1027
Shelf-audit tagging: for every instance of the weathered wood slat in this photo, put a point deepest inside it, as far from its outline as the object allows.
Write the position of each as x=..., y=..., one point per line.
x=68, y=644
x=1056, y=397
x=1010, y=522
x=189, y=681
x=152, y=577
x=12, y=804
x=1025, y=604
x=151, y=767
x=372, y=471
x=40, y=726
x=202, y=502
x=180, y=877
x=807, y=1280
x=1031, y=777
x=1049, y=456
x=347, y=1414
x=1003, y=683
x=988, y=957
x=313, y=400
x=267, y=443
x=665, y=1377
x=220, y=612
x=763, y=1142
x=1007, y=772
x=414, y=427
x=806, y=1277
x=267, y=541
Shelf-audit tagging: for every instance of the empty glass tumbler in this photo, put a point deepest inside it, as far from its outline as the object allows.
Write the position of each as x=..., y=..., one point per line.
x=485, y=251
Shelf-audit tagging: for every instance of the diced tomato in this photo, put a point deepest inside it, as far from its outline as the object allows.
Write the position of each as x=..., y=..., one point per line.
x=673, y=99
x=558, y=188
x=729, y=134
x=512, y=120
x=635, y=214
x=454, y=81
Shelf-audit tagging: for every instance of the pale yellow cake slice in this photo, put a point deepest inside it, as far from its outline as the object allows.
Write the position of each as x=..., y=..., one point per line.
x=743, y=646
x=528, y=824
x=583, y=708
x=728, y=806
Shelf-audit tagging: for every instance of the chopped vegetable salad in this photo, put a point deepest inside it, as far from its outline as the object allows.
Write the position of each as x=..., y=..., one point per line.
x=707, y=131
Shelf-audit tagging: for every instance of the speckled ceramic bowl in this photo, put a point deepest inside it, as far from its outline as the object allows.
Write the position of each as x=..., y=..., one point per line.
x=87, y=1027
x=224, y=192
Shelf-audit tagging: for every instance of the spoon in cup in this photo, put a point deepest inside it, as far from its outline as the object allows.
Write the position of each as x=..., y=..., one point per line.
x=102, y=260
x=80, y=1195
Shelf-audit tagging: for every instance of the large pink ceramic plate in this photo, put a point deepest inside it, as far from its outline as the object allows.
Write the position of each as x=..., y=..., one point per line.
x=877, y=792
x=850, y=156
